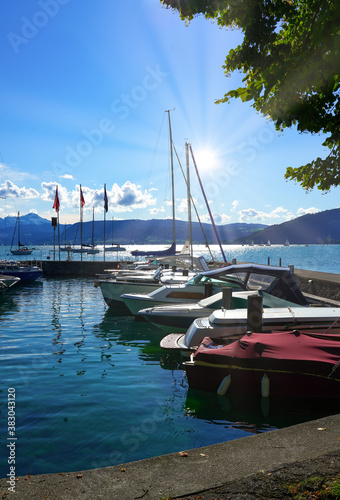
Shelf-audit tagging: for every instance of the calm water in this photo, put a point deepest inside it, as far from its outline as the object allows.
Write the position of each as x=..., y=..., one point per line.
x=94, y=389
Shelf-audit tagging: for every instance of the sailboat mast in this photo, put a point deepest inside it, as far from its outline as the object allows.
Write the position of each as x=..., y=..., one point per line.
x=18, y=229
x=172, y=179
x=189, y=200
x=93, y=227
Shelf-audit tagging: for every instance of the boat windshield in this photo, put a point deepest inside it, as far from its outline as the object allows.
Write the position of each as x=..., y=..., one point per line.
x=260, y=281
x=227, y=280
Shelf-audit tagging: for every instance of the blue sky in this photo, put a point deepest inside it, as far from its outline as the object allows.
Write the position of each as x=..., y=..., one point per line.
x=84, y=90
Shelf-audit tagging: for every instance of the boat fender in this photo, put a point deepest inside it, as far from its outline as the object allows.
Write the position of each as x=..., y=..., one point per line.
x=118, y=266
x=265, y=386
x=224, y=386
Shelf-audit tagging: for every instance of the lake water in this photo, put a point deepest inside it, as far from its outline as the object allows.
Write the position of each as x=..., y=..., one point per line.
x=94, y=389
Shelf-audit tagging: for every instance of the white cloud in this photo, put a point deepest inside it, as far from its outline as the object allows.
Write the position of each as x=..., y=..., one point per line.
x=49, y=194
x=67, y=176
x=304, y=211
x=251, y=214
x=156, y=211
x=234, y=205
x=120, y=199
x=278, y=213
x=218, y=218
x=10, y=190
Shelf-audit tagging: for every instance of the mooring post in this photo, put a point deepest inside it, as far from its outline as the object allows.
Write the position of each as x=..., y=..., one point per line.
x=254, y=313
x=227, y=297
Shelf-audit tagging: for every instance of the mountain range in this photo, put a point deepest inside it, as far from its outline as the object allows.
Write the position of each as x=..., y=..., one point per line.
x=322, y=227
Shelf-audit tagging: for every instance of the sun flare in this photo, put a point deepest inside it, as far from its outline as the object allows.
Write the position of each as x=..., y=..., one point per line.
x=205, y=159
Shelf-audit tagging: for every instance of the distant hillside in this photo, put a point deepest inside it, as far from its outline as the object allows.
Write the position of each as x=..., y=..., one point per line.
x=323, y=227
x=35, y=230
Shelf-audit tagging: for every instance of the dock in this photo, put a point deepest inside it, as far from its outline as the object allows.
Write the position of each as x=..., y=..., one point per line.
x=73, y=268
x=316, y=285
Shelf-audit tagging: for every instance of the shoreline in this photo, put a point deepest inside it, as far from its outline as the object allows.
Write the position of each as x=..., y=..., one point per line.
x=195, y=472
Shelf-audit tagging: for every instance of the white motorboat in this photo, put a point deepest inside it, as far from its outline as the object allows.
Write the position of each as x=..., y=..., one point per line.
x=7, y=282
x=227, y=325
x=277, y=281
x=173, y=269
x=177, y=318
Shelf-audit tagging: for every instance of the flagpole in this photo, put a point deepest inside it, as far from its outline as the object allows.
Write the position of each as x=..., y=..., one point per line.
x=56, y=206
x=58, y=238
x=81, y=225
x=104, y=219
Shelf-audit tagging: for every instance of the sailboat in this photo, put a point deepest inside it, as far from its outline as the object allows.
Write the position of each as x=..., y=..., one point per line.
x=115, y=246
x=66, y=248
x=22, y=249
x=172, y=249
x=92, y=250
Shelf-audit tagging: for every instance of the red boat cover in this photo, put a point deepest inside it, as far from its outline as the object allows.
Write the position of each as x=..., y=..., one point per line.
x=280, y=346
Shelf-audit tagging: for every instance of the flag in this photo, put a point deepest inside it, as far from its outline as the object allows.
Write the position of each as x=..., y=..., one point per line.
x=106, y=202
x=82, y=201
x=56, y=204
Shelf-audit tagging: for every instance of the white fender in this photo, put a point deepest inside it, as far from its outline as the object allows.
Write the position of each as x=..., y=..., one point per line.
x=265, y=386
x=224, y=386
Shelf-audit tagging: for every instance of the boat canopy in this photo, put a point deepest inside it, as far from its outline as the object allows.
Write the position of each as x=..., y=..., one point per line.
x=283, y=346
x=276, y=280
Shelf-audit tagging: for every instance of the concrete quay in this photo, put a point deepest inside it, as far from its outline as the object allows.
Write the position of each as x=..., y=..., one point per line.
x=195, y=472
x=314, y=284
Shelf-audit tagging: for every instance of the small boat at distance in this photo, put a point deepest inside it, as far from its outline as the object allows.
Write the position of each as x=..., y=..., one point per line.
x=21, y=249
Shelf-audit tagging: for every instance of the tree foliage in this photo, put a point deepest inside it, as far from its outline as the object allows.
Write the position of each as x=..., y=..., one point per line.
x=290, y=58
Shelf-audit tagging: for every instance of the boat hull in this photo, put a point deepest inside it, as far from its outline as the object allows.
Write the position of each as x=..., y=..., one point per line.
x=112, y=291
x=21, y=252
x=250, y=381
x=285, y=363
x=25, y=273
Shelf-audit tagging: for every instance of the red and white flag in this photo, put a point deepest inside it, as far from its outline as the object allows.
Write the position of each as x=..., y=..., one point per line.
x=56, y=204
x=82, y=201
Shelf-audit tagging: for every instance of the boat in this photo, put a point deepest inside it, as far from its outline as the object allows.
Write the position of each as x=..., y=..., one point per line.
x=294, y=363
x=175, y=268
x=82, y=249
x=15, y=269
x=277, y=285
x=210, y=282
x=226, y=325
x=155, y=253
x=286, y=244
x=92, y=250
x=21, y=249
x=115, y=247
x=7, y=282
x=66, y=247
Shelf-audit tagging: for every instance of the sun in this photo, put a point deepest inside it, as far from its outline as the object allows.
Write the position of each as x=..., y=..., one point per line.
x=205, y=159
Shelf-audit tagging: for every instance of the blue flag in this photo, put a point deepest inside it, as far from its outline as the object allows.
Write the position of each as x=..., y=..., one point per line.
x=106, y=202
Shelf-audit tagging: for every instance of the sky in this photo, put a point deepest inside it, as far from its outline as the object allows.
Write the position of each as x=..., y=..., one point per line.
x=84, y=91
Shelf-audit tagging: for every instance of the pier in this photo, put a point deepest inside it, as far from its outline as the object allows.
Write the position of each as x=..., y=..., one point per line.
x=73, y=268
x=314, y=284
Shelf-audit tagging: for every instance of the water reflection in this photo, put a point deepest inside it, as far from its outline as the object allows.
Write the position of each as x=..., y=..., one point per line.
x=125, y=330
x=255, y=414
